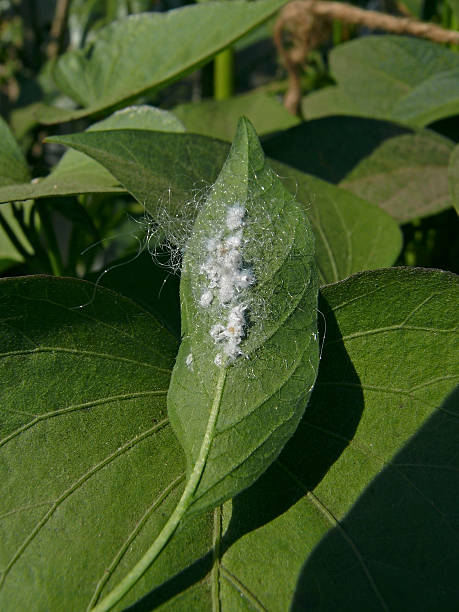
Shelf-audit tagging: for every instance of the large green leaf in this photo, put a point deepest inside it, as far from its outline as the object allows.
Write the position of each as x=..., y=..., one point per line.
x=148, y=51
x=358, y=512
x=453, y=173
x=390, y=77
x=218, y=118
x=168, y=169
x=361, y=507
x=404, y=171
x=77, y=173
x=85, y=443
x=242, y=396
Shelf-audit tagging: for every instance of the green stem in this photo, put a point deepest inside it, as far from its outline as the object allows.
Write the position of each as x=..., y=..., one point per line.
x=224, y=74
x=13, y=238
x=184, y=503
x=51, y=240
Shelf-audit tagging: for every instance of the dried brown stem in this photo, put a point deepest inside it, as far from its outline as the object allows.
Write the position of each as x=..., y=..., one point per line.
x=308, y=24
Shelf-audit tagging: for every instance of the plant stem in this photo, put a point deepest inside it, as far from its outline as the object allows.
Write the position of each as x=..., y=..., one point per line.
x=51, y=241
x=184, y=503
x=224, y=74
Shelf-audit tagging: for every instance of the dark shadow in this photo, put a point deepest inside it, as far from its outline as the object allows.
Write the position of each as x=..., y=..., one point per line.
x=322, y=146
x=329, y=423
x=398, y=547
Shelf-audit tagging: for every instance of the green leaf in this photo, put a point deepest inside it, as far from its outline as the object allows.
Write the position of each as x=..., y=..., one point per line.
x=390, y=77
x=361, y=502
x=75, y=167
x=350, y=233
x=13, y=166
x=77, y=173
x=252, y=399
x=404, y=171
x=218, y=118
x=160, y=295
x=140, y=53
x=359, y=506
x=453, y=175
x=84, y=441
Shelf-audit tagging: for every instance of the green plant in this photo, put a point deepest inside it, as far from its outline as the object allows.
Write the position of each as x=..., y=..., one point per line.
x=280, y=431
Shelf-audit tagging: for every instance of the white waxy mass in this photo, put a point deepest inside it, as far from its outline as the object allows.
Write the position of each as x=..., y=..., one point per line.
x=227, y=281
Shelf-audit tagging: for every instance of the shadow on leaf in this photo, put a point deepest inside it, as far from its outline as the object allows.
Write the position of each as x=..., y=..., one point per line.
x=328, y=425
x=321, y=146
x=398, y=547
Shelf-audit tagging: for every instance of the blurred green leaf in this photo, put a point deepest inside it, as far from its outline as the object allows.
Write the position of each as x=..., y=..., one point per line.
x=139, y=54
x=218, y=118
x=13, y=166
x=398, y=78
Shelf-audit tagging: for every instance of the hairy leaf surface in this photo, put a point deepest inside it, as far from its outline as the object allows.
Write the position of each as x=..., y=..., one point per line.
x=257, y=396
x=175, y=169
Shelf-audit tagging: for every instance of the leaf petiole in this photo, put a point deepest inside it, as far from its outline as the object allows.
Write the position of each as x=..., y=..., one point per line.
x=180, y=510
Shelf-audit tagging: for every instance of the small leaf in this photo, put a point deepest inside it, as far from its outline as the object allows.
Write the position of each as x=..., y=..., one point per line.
x=243, y=394
x=351, y=234
x=218, y=118
x=140, y=53
x=390, y=77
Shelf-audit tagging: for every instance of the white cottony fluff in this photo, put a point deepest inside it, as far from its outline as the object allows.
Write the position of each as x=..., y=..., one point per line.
x=189, y=361
x=206, y=299
x=235, y=217
x=226, y=279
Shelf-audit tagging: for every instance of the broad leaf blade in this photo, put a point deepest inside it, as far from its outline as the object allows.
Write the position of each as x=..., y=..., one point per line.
x=140, y=53
x=266, y=378
x=84, y=442
x=366, y=484
x=351, y=234
x=360, y=501
x=389, y=77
